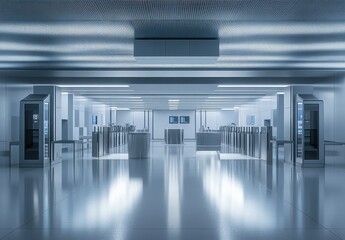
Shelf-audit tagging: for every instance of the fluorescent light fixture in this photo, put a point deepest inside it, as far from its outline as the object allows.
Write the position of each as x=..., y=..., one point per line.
x=173, y=100
x=115, y=97
x=93, y=86
x=252, y=86
x=123, y=109
x=228, y=109
x=233, y=97
x=64, y=93
x=236, y=107
x=280, y=93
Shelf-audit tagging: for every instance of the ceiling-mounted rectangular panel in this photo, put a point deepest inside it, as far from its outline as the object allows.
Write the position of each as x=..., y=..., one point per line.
x=176, y=47
x=152, y=48
x=205, y=47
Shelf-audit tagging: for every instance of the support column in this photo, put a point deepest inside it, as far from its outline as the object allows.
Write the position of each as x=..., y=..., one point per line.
x=289, y=116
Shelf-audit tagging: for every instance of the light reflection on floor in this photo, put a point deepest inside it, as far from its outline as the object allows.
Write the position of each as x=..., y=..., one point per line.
x=179, y=193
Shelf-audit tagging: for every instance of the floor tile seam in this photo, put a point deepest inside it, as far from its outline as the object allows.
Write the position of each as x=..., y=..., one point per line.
x=43, y=212
x=301, y=211
x=17, y=228
x=336, y=234
x=47, y=209
x=286, y=201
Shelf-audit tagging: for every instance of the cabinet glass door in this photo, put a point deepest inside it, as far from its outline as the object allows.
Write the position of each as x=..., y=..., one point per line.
x=31, y=138
x=311, y=132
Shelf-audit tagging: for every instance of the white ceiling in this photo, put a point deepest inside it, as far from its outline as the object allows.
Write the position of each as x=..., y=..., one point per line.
x=172, y=96
x=93, y=34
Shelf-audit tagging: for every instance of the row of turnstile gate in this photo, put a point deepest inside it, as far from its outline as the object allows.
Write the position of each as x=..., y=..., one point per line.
x=106, y=137
x=251, y=141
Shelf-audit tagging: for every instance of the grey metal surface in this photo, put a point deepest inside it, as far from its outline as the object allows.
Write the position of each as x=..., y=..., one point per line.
x=71, y=142
x=106, y=147
x=265, y=144
x=10, y=161
x=97, y=144
x=138, y=145
x=176, y=47
x=256, y=142
x=174, y=136
x=208, y=138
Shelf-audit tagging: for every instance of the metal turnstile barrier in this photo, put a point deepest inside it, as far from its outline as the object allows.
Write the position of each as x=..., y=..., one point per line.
x=256, y=141
x=265, y=143
x=251, y=141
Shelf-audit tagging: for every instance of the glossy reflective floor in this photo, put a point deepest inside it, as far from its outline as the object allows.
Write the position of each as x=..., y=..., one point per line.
x=177, y=194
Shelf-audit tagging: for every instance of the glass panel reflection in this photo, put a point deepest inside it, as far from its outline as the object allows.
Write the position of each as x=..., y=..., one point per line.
x=31, y=132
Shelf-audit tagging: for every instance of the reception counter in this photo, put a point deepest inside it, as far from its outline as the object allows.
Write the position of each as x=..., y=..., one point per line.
x=138, y=145
x=208, y=138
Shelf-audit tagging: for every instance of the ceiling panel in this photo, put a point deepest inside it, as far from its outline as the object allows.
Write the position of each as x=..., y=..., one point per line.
x=173, y=96
x=99, y=34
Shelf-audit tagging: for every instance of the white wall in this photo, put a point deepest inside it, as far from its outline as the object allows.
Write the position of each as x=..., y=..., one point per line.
x=80, y=113
x=161, y=122
x=135, y=118
x=262, y=109
x=3, y=123
x=216, y=119
x=10, y=96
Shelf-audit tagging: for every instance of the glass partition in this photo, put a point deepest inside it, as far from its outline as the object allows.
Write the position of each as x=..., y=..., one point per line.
x=311, y=131
x=32, y=118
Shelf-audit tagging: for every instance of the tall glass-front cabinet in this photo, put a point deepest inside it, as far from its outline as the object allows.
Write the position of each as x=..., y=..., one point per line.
x=34, y=144
x=309, y=131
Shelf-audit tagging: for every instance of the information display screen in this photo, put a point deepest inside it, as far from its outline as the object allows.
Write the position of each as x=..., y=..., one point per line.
x=299, y=130
x=184, y=119
x=46, y=130
x=94, y=120
x=173, y=119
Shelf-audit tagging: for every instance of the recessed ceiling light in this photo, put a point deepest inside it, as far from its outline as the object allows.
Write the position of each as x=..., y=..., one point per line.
x=252, y=86
x=236, y=107
x=115, y=97
x=173, y=100
x=232, y=97
x=64, y=93
x=123, y=109
x=228, y=109
x=94, y=86
x=280, y=93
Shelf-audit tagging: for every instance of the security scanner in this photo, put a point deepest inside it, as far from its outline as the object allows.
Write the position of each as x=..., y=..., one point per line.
x=232, y=136
x=243, y=140
x=309, y=132
x=34, y=146
x=265, y=144
x=256, y=137
x=174, y=136
x=104, y=138
x=247, y=141
x=250, y=141
x=97, y=142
